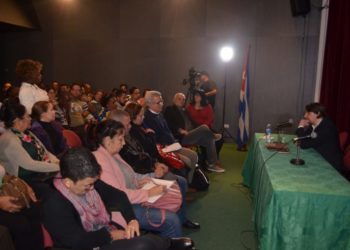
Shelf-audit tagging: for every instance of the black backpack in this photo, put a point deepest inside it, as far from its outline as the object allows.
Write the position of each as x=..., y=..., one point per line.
x=200, y=180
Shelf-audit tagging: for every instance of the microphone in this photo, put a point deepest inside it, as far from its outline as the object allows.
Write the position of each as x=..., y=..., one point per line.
x=286, y=124
x=313, y=135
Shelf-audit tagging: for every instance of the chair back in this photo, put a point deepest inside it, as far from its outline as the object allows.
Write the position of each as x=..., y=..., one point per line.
x=347, y=158
x=72, y=138
x=343, y=139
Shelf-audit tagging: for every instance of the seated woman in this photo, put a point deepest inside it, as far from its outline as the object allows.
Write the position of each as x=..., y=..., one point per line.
x=117, y=173
x=140, y=151
x=76, y=217
x=23, y=223
x=200, y=112
x=48, y=131
x=22, y=153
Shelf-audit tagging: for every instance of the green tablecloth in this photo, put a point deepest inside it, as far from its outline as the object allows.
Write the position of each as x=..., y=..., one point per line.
x=297, y=207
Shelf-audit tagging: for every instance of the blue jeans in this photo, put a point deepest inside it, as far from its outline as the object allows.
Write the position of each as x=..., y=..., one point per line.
x=172, y=226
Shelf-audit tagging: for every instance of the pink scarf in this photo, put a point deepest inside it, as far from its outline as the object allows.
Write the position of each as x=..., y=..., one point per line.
x=90, y=207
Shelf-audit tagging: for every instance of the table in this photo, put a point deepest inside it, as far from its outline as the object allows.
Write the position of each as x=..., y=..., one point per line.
x=297, y=207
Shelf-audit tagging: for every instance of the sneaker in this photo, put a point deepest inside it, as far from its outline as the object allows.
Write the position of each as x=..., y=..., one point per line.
x=217, y=137
x=215, y=168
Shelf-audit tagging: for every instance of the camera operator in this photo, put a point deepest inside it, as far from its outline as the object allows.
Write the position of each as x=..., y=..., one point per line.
x=209, y=87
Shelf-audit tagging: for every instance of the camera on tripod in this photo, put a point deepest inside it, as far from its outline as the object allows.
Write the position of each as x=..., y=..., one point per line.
x=192, y=81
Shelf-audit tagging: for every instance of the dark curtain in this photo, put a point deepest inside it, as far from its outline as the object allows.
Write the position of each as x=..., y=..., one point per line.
x=335, y=90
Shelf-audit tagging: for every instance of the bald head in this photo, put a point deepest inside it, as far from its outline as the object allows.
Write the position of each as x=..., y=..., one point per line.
x=179, y=99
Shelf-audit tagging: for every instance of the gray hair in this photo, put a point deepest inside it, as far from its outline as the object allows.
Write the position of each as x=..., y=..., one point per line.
x=150, y=95
x=117, y=115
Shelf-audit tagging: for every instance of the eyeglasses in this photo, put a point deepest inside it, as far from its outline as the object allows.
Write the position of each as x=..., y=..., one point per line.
x=159, y=102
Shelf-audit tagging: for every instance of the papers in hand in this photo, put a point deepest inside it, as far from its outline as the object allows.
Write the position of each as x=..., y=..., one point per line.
x=154, y=182
x=172, y=147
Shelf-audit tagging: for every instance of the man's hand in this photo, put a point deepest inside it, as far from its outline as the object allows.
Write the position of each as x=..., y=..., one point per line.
x=183, y=131
x=304, y=123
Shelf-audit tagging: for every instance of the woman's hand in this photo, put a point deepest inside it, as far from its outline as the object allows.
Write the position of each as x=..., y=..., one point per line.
x=156, y=190
x=132, y=229
x=160, y=170
x=143, y=182
x=117, y=234
x=6, y=204
x=31, y=192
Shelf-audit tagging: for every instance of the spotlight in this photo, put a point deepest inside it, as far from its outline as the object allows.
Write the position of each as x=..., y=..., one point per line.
x=226, y=53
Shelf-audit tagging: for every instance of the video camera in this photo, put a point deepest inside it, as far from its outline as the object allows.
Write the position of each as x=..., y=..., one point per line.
x=193, y=76
x=192, y=81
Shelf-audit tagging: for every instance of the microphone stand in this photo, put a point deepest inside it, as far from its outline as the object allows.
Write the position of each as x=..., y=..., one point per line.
x=297, y=161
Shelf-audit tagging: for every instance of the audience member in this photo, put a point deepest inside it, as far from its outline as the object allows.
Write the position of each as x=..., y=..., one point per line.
x=117, y=173
x=201, y=135
x=121, y=99
x=327, y=139
x=78, y=112
x=62, y=108
x=140, y=150
x=200, y=111
x=23, y=223
x=96, y=108
x=155, y=120
x=76, y=215
x=47, y=129
x=135, y=94
x=4, y=91
x=29, y=73
x=22, y=153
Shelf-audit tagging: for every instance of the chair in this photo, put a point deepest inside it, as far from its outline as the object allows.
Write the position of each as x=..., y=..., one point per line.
x=347, y=158
x=48, y=243
x=343, y=139
x=72, y=138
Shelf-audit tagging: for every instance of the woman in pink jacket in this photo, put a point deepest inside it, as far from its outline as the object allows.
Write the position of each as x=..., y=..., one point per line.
x=117, y=173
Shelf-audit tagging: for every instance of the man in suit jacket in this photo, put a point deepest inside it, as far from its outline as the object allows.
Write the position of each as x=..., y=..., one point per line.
x=327, y=140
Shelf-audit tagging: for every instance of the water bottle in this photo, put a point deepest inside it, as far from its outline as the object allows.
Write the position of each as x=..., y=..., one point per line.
x=268, y=133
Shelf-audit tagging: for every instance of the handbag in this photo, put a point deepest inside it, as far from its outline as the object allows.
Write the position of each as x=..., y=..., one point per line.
x=171, y=200
x=16, y=187
x=171, y=158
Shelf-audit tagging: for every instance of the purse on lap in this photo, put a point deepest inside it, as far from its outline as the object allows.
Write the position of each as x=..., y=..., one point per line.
x=171, y=200
x=16, y=187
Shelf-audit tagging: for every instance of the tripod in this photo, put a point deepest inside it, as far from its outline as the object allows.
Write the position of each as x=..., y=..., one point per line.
x=224, y=129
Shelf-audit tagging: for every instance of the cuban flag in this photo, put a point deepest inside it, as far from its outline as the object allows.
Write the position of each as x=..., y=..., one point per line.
x=243, y=121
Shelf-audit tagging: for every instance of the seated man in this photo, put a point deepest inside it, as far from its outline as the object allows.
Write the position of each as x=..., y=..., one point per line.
x=155, y=120
x=327, y=140
x=76, y=215
x=201, y=135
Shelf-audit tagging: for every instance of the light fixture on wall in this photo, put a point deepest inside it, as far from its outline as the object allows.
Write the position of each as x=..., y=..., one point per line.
x=226, y=54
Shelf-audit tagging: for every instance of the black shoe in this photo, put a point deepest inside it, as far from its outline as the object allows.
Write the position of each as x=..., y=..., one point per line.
x=191, y=225
x=183, y=243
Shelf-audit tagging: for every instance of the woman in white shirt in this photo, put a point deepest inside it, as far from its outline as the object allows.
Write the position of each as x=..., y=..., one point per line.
x=29, y=73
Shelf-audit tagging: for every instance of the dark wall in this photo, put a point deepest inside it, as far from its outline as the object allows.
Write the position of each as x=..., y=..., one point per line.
x=153, y=43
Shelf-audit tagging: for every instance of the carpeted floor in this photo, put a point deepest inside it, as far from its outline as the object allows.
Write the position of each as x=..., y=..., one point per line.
x=224, y=211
